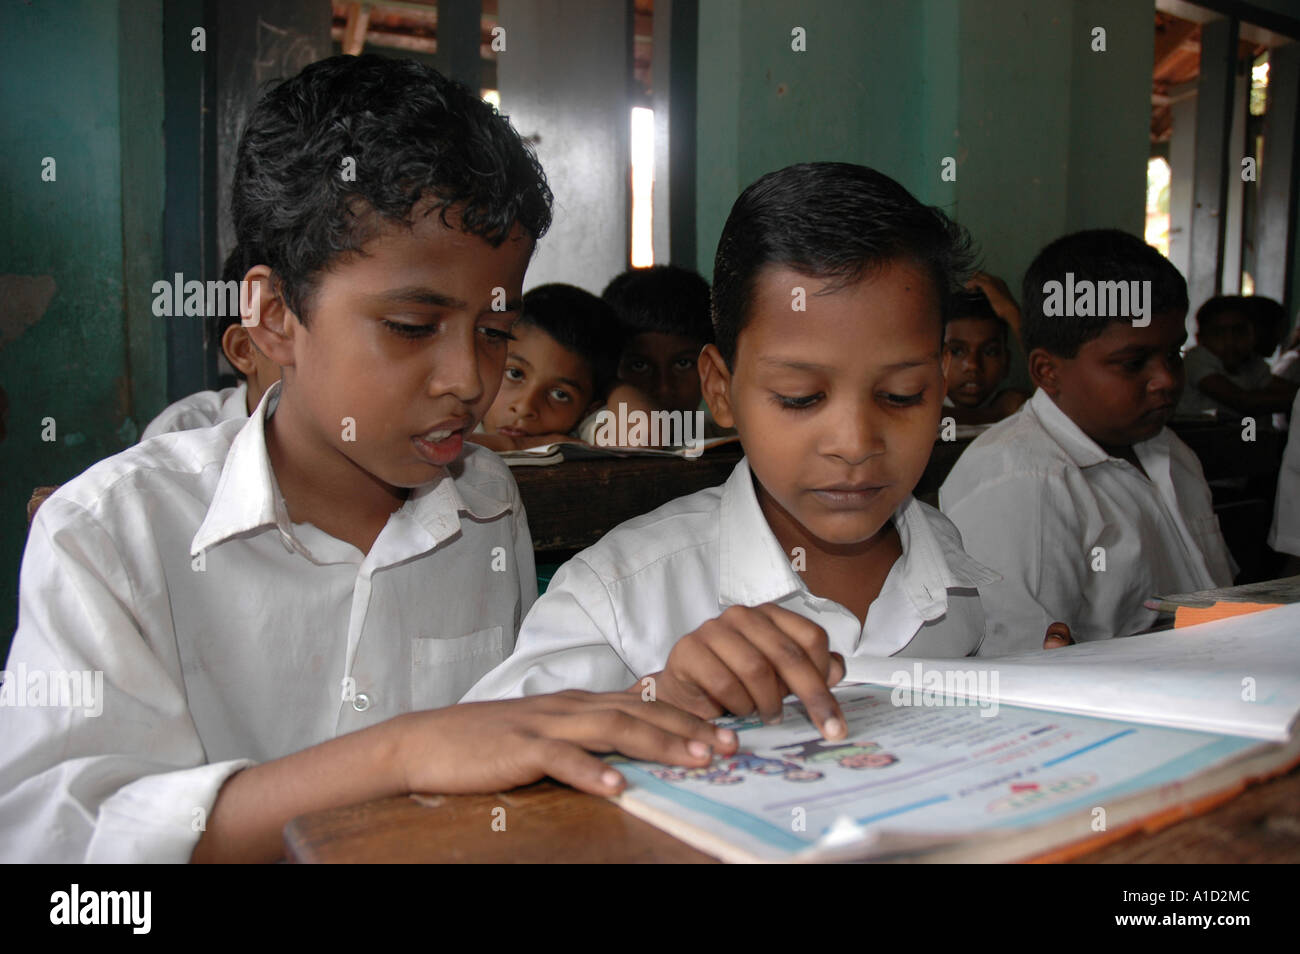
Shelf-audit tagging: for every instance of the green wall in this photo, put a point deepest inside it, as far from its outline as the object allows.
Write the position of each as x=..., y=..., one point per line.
x=78, y=342
x=1048, y=136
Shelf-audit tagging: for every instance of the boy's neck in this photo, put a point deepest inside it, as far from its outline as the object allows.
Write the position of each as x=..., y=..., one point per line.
x=850, y=574
x=324, y=488
x=1128, y=453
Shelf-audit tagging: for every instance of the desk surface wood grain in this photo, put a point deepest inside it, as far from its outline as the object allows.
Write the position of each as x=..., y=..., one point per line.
x=548, y=823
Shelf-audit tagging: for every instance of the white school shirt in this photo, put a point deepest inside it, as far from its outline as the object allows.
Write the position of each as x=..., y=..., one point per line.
x=203, y=409
x=1034, y=497
x=1284, y=534
x=614, y=612
x=1200, y=362
x=209, y=670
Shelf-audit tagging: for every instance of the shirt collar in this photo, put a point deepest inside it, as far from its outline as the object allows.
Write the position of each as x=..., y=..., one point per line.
x=235, y=406
x=1082, y=449
x=754, y=569
x=929, y=569
x=248, y=497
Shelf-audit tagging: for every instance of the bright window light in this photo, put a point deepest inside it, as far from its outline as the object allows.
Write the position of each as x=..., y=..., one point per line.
x=494, y=97
x=643, y=177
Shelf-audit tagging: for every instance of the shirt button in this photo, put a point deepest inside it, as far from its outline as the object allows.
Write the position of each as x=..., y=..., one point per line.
x=361, y=702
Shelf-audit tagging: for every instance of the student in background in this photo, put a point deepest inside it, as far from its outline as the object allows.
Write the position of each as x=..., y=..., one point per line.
x=976, y=356
x=1287, y=363
x=256, y=371
x=559, y=368
x=815, y=548
x=278, y=607
x=664, y=311
x=1268, y=318
x=1085, y=502
x=1224, y=372
x=1284, y=535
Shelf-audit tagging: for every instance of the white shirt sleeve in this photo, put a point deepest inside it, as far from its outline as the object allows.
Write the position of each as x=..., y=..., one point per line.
x=1027, y=529
x=121, y=776
x=567, y=642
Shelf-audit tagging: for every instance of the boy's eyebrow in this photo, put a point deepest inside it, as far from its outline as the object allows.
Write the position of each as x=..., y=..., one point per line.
x=422, y=295
x=813, y=366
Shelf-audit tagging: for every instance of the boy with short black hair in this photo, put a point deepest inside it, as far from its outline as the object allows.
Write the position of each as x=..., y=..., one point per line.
x=1084, y=501
x=814, y=549
x=976, y=357
x=1224, y=372
x=559, y=368
x=256, y=371
x=272, y=605
x=664, y=311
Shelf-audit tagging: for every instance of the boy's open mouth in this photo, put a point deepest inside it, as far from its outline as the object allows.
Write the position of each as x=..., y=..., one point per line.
x=442, y=444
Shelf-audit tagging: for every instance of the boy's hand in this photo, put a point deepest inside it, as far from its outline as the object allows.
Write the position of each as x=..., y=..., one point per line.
x=490, y=746
x=751, y=658
x=1058, y=635
x=999, y=296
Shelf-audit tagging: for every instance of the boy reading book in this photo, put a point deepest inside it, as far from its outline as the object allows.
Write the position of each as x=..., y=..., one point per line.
x=1084, y=501
x=267, y=607
x=829, y=290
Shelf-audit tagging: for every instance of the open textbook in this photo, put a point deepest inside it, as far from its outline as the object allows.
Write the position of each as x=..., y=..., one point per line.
x=1059, y=753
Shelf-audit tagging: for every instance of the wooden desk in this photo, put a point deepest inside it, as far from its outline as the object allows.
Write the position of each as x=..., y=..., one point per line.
x=574, y=504
x=548, y=822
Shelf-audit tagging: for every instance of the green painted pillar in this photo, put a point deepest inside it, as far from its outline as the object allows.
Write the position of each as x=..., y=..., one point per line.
x=80, y=359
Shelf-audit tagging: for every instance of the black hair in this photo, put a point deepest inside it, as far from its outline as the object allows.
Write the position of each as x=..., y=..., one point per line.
x=829, y=220
x=974, y=304
x=580, y=322
x=1223, y=305
x=667, y=299
x=1269, y=318
x=354, y=141
x=1095, y=255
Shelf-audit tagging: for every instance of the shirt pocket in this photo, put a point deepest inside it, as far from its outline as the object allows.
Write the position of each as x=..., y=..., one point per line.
x=444, y=668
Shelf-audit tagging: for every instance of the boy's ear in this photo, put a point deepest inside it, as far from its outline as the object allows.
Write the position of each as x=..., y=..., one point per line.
x=1045, y=370
x=239, y=349
x=715, y=385
x=269, y=323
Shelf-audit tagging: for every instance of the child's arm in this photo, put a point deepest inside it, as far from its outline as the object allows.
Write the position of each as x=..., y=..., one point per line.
x=480, y=747
x=1000, y=297
x=1276, y=396
x=126, y=776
